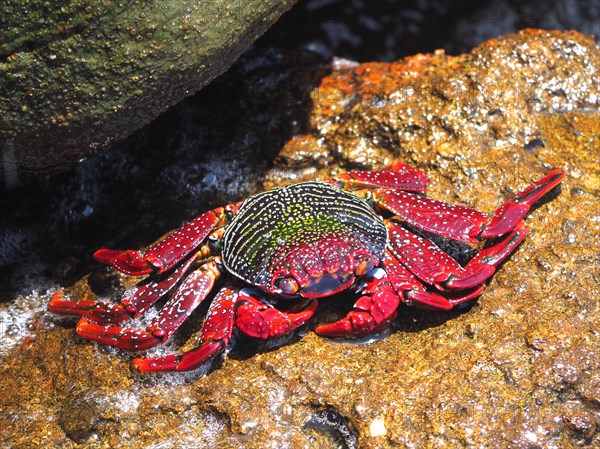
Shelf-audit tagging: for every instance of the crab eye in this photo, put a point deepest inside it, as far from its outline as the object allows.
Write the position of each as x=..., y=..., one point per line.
x=363, y=264
x=286, y=285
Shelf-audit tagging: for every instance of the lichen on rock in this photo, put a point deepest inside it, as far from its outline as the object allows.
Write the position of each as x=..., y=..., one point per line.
x=78, y=76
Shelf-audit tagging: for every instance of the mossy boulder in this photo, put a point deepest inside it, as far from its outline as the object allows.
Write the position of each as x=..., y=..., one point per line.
x=76, y=76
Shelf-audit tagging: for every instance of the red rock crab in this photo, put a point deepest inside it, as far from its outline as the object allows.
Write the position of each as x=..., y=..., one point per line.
x=298, y=244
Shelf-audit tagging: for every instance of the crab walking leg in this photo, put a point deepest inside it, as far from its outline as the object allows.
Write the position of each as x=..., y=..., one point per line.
x=142, y=296
x=432, y=265
x=214, y=337
x=398, y=176
x=260, y=320
x=188, y=296
x=373, y=312
x=134, y=301
x=448, y=220
x=460, y=222
x=413, y=293
x=490, y=256
x=171, y=250
x=58, y=304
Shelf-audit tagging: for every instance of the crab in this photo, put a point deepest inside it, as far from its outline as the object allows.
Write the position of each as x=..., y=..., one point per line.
x=280, y=251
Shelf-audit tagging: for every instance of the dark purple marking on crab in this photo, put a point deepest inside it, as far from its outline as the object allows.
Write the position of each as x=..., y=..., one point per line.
x=298, y=244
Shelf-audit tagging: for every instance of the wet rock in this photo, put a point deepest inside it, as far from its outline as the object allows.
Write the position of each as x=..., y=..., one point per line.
x=519, y=368
x=75, y=78
x=371, y=114
x=582, y=422
x=79, y=418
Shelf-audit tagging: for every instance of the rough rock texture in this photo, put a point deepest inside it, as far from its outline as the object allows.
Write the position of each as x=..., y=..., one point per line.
x=76, y=77
x=518, y=369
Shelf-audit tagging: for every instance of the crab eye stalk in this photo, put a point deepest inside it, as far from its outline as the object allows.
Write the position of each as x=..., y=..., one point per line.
x=286, y=285
x=363, y=264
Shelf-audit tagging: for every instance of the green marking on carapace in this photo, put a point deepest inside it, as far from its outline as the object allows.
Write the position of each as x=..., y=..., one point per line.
x=301, y=223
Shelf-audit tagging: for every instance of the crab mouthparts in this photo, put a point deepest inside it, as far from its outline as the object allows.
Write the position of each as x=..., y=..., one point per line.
x=319, y=268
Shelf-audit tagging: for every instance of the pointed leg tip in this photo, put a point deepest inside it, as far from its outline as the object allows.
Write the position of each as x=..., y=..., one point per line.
x=138, y=365
x=355, y=324
x=58, y=295
x=471, y=280
x=345, y=329
x=129, y=339
x=552, y=179
x=60, y=305
x=153, y=365
x=557, y=175
x=428, y=301
x=188, y=361
x=56, y=301
x=128, y=262
x=334, y=330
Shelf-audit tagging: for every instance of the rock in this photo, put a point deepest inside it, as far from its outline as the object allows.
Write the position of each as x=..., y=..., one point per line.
x=517, y=369
x=76, y=78
x=79, y=418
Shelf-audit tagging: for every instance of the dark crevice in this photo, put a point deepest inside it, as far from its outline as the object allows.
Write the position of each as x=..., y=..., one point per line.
x=31, y=45
x=335, y=425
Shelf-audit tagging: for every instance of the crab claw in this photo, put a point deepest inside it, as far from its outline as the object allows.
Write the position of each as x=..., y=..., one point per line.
x=259, y=320
x=372, y=313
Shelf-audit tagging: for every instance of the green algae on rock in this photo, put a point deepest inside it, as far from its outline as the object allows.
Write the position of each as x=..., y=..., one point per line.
x=77, y=76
